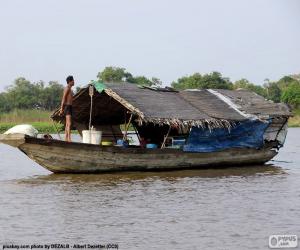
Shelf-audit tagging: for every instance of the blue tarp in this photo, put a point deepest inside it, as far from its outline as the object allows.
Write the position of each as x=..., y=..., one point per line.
x=247, y=134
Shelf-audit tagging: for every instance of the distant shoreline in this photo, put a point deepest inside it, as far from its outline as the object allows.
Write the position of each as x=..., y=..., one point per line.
x=41, y=120
x=48, y=127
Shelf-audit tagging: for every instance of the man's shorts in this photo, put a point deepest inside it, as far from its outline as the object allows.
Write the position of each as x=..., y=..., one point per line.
x=68, y=110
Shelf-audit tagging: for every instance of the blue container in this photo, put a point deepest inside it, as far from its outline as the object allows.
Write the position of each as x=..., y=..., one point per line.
x=122, y=143
x=178, y=142
x=151, y=145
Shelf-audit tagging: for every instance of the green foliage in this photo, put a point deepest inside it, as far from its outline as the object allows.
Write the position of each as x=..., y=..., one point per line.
x=23, y=94
x=119, y=75
x=141, y=80
x=156, y=81
x=51, y=95
x=245, y=84
x=285, y=81
x=26, y=95
x=213, y=80
x=291, y=94
x=4, y=104
x=273, y=91
x=113, y=74
x=284, y=90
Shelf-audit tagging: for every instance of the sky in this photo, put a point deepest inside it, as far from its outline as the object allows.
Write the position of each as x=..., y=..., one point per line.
x=50, y=39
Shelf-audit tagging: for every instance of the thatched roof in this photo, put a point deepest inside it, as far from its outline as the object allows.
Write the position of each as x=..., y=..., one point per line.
x=212, y=108
x=252, y=103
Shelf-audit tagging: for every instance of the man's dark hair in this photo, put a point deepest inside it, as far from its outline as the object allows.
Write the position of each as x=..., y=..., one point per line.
x=69, y=79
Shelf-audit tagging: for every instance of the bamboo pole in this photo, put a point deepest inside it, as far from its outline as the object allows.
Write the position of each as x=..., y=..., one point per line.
x=137, y=134
x=127, y=126
x=166, y=136
x=91, y=93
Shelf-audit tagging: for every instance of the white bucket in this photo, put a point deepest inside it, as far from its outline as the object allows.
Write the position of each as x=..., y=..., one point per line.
x=91, y=136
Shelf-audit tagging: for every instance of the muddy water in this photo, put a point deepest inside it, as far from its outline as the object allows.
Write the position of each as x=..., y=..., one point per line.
x=232, y=208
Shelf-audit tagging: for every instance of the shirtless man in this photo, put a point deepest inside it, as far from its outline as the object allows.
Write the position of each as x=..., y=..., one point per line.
x=66, y=106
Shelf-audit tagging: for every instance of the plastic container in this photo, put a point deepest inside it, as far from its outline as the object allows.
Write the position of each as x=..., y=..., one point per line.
x=151, y=145
x=178, y=142
x=91, y=136
x=106, y=143
x=122, y=143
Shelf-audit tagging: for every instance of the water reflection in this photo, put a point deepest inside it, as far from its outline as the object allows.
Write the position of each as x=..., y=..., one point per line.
x=176, y=175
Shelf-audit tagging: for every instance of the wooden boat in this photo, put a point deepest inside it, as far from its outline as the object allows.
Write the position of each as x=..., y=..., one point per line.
x=221, y=127
x=64, y=157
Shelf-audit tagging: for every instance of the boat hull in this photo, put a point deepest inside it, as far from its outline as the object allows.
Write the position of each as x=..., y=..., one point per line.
x=63, y=157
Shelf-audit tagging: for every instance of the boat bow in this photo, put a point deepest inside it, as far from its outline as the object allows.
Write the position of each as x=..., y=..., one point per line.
x=14, y=140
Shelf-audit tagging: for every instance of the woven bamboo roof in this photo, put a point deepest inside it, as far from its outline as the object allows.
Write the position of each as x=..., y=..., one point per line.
x=213, y=108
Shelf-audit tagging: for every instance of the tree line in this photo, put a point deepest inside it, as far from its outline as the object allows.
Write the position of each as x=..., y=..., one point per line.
x=286, y=89
x=23, y=94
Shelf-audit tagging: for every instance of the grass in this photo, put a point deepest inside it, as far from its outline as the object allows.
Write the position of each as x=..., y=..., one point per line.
x=296, y=112
x=295, y=120
x=42, y=127
x=40, y=119
x=25, y=116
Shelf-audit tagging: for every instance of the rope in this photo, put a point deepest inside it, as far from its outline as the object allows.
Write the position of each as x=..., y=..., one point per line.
x=91, y=93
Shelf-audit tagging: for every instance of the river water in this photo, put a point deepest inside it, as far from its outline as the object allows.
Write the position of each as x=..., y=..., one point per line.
x=232, y=208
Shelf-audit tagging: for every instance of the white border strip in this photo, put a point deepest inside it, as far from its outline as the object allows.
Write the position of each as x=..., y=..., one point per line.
x=232, y=105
